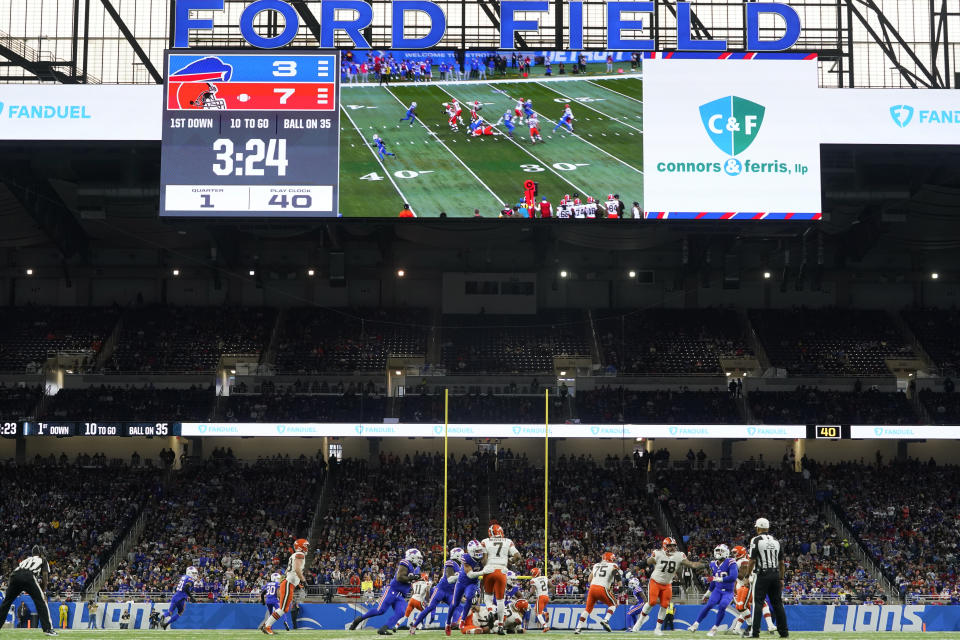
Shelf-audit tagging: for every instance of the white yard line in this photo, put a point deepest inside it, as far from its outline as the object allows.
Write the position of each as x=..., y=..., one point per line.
x=615, y=91
x=526, y=151
x=584, y=104
x=606, y=153
x=377, y=157
x=499, y=200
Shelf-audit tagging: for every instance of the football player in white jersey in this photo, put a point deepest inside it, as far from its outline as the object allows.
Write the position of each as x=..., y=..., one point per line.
x=540, y=593
x=291, y=581
x=419, y=595
x=603, y=576
x=498, y=552
x=666, y=562
x=513, y=622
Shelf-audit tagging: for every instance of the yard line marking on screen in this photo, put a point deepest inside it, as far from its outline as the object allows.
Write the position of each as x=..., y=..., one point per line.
x=584, y=104
x=379, y=161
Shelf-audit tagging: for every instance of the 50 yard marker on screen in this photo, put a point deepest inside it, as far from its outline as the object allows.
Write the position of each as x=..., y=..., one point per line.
x=250, y=134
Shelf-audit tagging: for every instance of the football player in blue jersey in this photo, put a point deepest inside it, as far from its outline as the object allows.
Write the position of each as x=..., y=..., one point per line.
x=268, y=595
x=411, y=114
x=468, y=582
x=181, y=594
x=381, y=147
x=394, y=596
x=633, y=613
x=443, y=593
x=723, y=580
x=566, y=120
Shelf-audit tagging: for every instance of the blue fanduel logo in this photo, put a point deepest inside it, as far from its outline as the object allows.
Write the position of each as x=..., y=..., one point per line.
x=751, y=430
x=903, y=116
x=45, y=111
x=886, y=431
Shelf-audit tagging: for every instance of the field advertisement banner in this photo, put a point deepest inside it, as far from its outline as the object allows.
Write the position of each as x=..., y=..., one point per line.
x=830, y=618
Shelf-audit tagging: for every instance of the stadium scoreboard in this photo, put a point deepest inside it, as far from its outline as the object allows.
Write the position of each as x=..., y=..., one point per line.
x=250, y=134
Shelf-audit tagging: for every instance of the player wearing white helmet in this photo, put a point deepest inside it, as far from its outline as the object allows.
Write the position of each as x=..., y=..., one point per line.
x=182, y=593
x=666, y=561
x=498, y=552
x=444, y=591
x=269, y=595
x=633, y=613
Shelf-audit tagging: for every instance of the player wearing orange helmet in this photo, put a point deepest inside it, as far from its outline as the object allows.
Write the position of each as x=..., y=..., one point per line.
x=603, y=576
x=540, y=591
x=742, y=606
x=498, y=552
x=666, y=561
x=291, y=581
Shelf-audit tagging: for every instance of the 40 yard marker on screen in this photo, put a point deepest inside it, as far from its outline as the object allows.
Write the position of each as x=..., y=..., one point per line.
x=250, y=134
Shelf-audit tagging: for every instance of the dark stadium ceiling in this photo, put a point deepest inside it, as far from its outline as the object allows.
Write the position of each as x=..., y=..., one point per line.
x=78, y=198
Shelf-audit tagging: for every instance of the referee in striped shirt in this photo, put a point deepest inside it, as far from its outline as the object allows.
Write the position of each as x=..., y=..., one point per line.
x=767, y=561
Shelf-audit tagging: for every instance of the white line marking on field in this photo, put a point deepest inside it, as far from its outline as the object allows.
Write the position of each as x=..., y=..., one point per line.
x=584, y=104
x=615, y=91
x=377, y=157
x=499, y=200
x=624, y=163
x=529, y=153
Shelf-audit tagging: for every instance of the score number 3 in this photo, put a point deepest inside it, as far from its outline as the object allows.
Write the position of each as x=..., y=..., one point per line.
x=273, y=153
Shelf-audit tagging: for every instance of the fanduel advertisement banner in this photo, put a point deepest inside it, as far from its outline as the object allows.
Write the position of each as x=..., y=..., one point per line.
x=80, y=112
x=889, y=116
x=841, y=618
x=731, y=139
x=413, y=430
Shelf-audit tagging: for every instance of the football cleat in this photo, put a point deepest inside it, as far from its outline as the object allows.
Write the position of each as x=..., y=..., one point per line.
x=606, y=626
x=267, y=630
x=356, y=621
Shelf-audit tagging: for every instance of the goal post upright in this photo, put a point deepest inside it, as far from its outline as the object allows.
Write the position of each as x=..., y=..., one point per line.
x=546, y=480
x=446, y=423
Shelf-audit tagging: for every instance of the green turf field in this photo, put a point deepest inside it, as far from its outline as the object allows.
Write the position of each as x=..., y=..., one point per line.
x=436, y=169
x=33, y=634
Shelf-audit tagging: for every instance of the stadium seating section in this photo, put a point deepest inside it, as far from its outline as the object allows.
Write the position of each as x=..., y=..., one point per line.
x=317, y=339
x=29, y=334
x=512, y=344
x=850, y=342
x=290, y=407
x=614, y=405
x=669, y=341
x=942, y=408
x=17, y=403
x=807, y=405
x=936, y=330
x=906, y=513
x=189, y=339
x=134, y=404
x=85, y=507
x=710, y=508
x=234, y=521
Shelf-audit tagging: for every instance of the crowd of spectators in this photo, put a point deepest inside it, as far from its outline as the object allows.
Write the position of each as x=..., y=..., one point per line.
x=477, y=408
x=710, y=508
x=18, y=402
x=942, y=407
x=316, y=340
x=78, y=512
x=188, y=339
x=615, y=405
x=292, y=407
x=131, y=403
x=235, y=522
x=669, y=341
x=908, y=516
x=936, y=330
x=488, y=343
x=809, y=405
x=29, y=334
x=847, y=342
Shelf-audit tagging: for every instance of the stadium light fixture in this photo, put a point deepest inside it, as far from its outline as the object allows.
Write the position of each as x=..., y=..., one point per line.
x=311, y=272
x=401, y=273
x=563, y=373
x=632, y=273
x=252, y=273
x=563, y=274
x=398, y=372
x=176, y=272
x=233, y=372
x=766, y=275
x=29, y=272
x=934, y=276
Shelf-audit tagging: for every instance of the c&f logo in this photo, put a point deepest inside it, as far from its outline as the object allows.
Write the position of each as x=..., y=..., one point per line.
x=902, y=114
x=732, y=123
